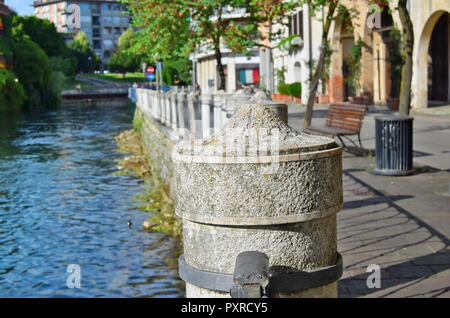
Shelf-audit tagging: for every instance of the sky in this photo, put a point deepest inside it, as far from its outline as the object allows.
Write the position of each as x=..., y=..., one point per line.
x=22, y=7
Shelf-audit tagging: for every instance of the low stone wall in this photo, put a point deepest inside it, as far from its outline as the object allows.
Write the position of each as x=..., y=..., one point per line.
x=157, y=145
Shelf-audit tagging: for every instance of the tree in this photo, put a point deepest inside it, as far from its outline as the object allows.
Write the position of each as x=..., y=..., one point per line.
x=81, y=49
x=43, y=32
x=175, y=28
x=124, y=60
x=122, y=63
x=335, y=10
x=407, y=48
x=33, y=70
x=12, y=94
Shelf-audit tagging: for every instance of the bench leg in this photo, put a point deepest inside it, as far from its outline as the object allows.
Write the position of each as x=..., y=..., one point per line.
x=359, y=139
x=342, y=141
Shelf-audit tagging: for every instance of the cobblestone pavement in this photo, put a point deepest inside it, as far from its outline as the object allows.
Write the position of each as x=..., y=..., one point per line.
x=376, y=228
x=401, y=224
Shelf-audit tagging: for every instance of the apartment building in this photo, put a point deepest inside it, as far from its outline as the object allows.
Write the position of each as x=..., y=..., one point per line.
x=103, y=21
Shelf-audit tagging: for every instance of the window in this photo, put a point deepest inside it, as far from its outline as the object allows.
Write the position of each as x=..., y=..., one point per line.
x=97, y=45
x=95, y=20
x=96, y=32
x=296, y=24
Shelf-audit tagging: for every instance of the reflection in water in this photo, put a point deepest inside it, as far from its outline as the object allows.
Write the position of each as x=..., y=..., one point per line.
x=61, y=204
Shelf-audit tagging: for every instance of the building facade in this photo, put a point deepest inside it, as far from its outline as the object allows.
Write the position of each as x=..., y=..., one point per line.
x=240, y=70
x=297, y=52
x=103, y=21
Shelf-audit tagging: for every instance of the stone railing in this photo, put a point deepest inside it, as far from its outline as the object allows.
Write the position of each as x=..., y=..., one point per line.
x=187, y=114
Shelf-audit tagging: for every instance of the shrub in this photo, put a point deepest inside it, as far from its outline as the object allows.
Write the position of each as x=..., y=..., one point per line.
x=295, y=89
x=283, y=88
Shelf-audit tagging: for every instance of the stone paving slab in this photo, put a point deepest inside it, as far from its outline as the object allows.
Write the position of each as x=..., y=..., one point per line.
x=375, y=228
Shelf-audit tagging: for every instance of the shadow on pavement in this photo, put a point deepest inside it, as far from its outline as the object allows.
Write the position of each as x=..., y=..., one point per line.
x=374, y=229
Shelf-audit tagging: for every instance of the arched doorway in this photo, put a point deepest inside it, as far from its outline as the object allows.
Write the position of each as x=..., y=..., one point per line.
x=438, y=62
x=428, y=48
x=347, y=42
x=341, y=46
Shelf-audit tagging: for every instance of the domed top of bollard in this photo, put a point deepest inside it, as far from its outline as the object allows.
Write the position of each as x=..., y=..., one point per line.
x=253, y=130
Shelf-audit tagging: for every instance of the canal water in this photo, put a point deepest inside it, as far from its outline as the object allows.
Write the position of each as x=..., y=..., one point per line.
x=62, y=204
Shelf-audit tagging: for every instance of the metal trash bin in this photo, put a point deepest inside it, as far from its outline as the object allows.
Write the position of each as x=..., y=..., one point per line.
x=394, y=145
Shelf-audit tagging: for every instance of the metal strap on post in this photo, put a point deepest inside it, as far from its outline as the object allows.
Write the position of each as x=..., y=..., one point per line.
x=246, y=278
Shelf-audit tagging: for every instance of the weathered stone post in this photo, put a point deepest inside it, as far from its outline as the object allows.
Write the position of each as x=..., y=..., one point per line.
x=168, y=108
x=162, y=107
x=155, y=104
x=219, y=101
x=279, y=108
x=173, y=104
x=235, y=195
x=139, y=96
x=181, y=105
x=206, y=101
x=192, y=99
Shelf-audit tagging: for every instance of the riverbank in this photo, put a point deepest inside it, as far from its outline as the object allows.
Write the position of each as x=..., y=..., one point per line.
x=157, y=200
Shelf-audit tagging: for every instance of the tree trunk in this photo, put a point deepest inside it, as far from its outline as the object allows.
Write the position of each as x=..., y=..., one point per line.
x=319, y=68
x=407, y=69
x=220, y=69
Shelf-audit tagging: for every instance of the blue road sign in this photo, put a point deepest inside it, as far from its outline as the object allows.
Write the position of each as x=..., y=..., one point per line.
x=151, y=76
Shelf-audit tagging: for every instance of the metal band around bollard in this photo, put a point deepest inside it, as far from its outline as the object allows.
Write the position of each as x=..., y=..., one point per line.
x=278, y=283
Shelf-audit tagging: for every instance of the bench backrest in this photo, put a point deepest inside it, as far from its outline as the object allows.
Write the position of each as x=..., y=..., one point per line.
x=346, y=116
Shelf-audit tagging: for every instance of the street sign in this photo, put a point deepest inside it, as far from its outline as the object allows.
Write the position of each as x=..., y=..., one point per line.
x=151, y=76
x=150, y=69
x=160, y=66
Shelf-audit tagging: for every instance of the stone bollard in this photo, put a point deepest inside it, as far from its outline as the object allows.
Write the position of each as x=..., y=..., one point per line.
x=218, y=101
x=181, y=106
x=174, y=108
x=155, y=104
x=162, y=108
x=168, y=108
x=191, y=100
x=238, y=197
x=206, y=101
x=279, y=108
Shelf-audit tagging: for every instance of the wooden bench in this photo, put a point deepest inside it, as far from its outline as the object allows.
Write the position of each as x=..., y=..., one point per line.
x=343, y=120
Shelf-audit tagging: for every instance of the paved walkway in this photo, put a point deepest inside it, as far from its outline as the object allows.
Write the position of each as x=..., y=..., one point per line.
x=401, y=224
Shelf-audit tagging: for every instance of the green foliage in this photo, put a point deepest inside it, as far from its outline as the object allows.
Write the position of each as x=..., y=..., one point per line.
x=295, y=89
x=283, y=88
x=32, y=77
x=355, y=65
x=169, y=30
x=67, y=66
x=177, y=71
x=42, y=32
x=33, y=69
x=81, y=49
x=280, y=74
x=124, y=61
x=12, y=94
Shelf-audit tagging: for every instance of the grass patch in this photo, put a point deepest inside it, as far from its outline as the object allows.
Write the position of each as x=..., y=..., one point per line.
x=130, y=78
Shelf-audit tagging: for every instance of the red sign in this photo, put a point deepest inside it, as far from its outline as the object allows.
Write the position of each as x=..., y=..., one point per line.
x=150, y=69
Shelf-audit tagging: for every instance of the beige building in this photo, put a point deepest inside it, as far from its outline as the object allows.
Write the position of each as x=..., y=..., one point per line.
x=430, y=85
x=103, y=21
x=431, y=82
x=298, y=48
